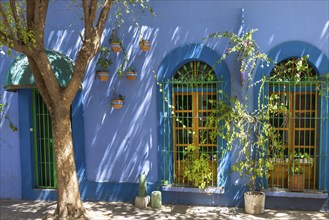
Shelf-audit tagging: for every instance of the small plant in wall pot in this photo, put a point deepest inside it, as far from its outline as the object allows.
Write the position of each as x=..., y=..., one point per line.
x=131, y=74
x=144, y=45
x=116, y=45
x=103, y=62
x=117, y=100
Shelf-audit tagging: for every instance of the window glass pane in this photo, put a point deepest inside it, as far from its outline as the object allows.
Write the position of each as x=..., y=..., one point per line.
x=185, y=119
x=304, y=138
x=207, y=136
x=184, y=136
x=304, y=101
x=305, y=119
x=206, y=101
x=210, y=151
x=183, y=102
x=180, y=152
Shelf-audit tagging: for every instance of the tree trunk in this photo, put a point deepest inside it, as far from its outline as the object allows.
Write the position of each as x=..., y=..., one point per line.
x=69, y=205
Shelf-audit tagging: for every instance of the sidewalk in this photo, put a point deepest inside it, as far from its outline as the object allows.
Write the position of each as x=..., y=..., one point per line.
x=16, y=209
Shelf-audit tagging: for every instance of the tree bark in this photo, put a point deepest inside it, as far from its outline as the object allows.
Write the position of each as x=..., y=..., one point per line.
x=69, y=205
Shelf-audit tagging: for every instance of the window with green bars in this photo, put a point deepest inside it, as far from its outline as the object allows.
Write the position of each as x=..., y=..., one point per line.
x=193, y=90
x=298, y=127
x=44, y=155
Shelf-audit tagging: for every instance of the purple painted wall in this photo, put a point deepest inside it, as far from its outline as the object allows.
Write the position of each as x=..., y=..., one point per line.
x=121, y=144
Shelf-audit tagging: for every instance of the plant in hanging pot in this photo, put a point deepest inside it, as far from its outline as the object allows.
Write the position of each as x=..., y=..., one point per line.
x=131, y=74
x=115, y=42
x=103, y=62
x=144, y=45
x=117, y=100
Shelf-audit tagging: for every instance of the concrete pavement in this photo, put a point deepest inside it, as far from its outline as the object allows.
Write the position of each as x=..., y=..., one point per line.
x=18, y=209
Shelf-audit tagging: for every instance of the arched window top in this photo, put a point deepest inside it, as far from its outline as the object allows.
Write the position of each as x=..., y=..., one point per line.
x=293, y=69
x=195, y=71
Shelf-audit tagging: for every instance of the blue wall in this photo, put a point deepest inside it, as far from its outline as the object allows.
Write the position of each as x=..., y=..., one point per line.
x=121, y=144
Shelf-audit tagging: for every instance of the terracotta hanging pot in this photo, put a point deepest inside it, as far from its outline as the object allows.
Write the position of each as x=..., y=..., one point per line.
x=116, y=47
x=145, y=45
x=117, y=103
x=131, y=75
x=103, y=75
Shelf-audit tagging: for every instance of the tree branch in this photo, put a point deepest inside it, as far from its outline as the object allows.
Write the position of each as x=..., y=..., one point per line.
x=103, y=16
x=30, y=13
x=40, y=82
x=16, y=18
x=6, y=22
x=40, y=14
x=13, y=44
x=88, y=50
x=44, y=75
x=86, y=17
x=92, y=11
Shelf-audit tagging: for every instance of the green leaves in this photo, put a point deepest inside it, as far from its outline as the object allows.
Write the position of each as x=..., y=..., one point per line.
x=197, y=167
x=4, y=116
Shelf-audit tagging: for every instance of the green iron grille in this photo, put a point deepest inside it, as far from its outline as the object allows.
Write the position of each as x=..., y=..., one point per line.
x=300, y=165
x=188, y=100
x=44, y=156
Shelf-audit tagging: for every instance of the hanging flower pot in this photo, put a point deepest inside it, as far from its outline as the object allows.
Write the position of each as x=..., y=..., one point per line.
x=103, y=75
x=131, y=74
x=117, y=103
x=116, y=47
x=144, y=45
x=117, y=100
x=103, y=62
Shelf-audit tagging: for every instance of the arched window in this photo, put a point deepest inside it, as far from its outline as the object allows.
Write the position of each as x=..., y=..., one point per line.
x=192, y=91
x=294, y=84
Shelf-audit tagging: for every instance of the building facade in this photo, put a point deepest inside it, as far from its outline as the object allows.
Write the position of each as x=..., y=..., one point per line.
x=114, y=146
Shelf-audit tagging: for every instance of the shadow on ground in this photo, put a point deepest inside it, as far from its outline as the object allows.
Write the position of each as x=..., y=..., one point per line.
x=15, y=209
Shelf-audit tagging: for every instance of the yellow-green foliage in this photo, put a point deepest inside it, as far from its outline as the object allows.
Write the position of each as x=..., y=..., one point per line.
x=197, y=167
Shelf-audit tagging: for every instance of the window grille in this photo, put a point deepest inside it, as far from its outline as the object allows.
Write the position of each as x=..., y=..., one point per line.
x=188, y=100
x=44, y=155
x=300, y=127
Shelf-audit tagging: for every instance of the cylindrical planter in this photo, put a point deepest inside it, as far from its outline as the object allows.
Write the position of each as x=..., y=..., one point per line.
x=117, y=103
x=145, y=45
x=156, y=200
x=296, y=182
x=254, y=202
x=131, y=75
x=116, y=47
x=103, y=75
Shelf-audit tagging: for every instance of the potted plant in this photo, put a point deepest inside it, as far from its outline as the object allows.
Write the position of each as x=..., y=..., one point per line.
x=116, y=45
x=144, y=45
x=131, y=74
x=117, y=100
x=246, y=131
x=196, y=167
x=103, y=62
x=296, y=162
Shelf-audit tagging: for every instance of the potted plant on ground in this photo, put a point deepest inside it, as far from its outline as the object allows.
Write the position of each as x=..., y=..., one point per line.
x=245, y=130
x=196, y=167
x=144, y=45
x=116, y=45
x=131, y=74
x=103, y=62
x=117, y=100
